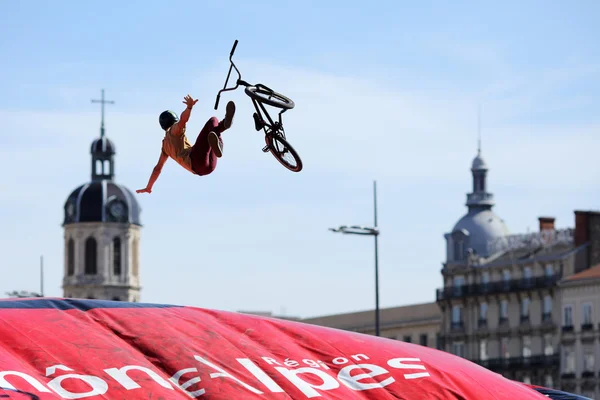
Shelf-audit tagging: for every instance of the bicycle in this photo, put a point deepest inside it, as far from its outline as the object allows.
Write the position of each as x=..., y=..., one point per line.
x=275, y=138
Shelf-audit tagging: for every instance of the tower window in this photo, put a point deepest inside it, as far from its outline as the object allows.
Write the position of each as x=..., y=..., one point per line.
x=117, y=256
x=106, y=170
x=99, y=168
x=91, y=255
x=482, y=183
x=478, y=182
x=70, y=257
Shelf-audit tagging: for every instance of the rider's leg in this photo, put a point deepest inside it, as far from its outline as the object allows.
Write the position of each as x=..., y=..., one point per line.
x=204, y=159
x=229, y=114
x=209, y=144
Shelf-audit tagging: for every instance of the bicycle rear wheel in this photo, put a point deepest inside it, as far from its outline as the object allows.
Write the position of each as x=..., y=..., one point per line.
x=269, y=97
x=284, y=153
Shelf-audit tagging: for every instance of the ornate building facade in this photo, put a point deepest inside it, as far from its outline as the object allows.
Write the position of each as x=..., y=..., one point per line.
x=580, y=315
x=501, y=303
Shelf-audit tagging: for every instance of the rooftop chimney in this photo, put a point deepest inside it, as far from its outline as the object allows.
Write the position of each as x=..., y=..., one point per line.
x=546, y=223
x=581, y=228
x=587, y=230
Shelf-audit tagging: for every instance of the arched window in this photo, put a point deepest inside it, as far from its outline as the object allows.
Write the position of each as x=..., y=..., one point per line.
x=91, y=256
x=71, y=257
x=117, y=256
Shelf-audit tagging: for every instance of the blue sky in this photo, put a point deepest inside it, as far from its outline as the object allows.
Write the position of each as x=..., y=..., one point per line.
x=384, y=90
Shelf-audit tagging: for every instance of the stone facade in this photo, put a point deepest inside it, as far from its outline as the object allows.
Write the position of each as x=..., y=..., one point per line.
x=102, y=261
x=504, y=313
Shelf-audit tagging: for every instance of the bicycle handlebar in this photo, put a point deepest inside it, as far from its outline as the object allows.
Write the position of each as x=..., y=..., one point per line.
x=233, y=48
x=228, y=74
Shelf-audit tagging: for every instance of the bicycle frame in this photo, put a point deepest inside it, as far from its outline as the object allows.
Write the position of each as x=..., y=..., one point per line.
x=274, y=127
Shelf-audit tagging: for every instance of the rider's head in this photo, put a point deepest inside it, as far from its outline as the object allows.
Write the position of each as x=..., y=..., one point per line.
x=167, y=119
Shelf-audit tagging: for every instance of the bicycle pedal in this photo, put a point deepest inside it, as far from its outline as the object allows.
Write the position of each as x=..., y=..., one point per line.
x=258, y=123
x=265, y=149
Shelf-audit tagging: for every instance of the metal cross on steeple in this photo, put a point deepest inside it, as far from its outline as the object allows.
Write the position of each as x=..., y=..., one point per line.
x=103, y=102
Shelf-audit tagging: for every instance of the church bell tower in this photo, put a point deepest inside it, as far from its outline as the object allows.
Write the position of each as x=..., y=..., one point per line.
x=102, y=231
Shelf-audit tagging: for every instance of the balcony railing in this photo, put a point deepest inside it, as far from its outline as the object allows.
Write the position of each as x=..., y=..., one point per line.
x=457, y=326
x=546, y=317
x=567, y=328
x=587, y=327
x=502, y=364
x=588, y=374
x=513, y=285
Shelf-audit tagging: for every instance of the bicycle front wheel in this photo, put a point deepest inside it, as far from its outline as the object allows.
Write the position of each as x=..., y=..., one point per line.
x=269, y=97
x=284, y=153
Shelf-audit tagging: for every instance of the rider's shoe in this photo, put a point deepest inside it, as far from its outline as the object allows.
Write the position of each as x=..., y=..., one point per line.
x=215, y=144
x=229, y=113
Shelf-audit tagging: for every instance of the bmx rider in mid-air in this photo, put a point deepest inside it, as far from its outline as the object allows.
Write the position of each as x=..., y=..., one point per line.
x=201, y=158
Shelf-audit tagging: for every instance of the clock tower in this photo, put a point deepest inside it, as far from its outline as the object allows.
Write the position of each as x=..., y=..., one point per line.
x=102, y=232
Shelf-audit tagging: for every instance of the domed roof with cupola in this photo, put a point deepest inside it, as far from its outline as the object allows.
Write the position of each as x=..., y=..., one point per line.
x=480, y=230
x=102, y=199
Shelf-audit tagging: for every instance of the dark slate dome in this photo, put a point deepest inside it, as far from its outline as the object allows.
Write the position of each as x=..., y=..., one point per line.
x=103, y=145
x=102, y=201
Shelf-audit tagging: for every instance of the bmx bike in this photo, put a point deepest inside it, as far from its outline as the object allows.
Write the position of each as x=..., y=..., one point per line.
x=261, y=95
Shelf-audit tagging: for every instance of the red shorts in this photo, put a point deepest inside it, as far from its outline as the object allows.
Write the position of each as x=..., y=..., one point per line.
x=204, y=160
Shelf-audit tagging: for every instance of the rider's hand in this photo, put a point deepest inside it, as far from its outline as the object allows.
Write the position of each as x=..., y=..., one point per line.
x=145, y=190
x=189, y=101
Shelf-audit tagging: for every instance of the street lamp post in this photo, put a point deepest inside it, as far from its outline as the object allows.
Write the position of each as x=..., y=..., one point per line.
x=369, y=231
x=27, y=293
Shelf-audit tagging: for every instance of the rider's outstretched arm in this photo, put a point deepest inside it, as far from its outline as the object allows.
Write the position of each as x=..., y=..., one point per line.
x=155, y=173
x=185, y=115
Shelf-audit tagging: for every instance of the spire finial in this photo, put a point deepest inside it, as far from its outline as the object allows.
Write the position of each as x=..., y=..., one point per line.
x=103, y=102
x=479, y=129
